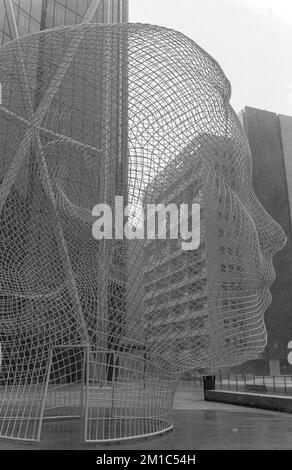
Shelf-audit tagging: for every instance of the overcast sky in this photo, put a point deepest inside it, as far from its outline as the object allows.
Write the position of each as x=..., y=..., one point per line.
x=251, y=40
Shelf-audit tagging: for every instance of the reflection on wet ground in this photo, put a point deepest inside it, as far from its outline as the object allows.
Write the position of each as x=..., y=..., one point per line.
x=197, y=425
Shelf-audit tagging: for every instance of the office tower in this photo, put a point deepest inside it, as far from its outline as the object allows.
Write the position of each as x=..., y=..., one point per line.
x=30, y=16
x=107, y=102
x=175, y=281
x=269, y=137
x=207, y=312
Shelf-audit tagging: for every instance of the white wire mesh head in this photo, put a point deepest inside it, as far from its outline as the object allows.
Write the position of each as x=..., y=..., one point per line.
x=91, y=112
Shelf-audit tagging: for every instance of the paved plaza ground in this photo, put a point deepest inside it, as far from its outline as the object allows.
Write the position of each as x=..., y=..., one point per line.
x=197, y=425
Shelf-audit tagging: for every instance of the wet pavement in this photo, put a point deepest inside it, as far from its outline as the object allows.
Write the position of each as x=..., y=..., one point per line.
x=197, y=425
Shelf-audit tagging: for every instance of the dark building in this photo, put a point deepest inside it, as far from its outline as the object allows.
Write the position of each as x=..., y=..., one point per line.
x=270, y=140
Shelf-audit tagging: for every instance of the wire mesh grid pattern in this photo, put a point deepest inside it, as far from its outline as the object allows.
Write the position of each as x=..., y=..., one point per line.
x=101, y=331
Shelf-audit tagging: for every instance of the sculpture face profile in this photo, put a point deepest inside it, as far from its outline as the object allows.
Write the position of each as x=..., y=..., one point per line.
x=108, y=327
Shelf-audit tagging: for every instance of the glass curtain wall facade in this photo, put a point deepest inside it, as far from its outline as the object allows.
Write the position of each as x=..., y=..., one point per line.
x=22, y=17
x=35, y=15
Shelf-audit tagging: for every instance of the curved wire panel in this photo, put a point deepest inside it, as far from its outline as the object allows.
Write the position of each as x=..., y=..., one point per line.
x=101, y=330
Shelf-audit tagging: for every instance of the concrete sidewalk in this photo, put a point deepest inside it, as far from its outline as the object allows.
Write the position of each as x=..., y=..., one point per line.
x=198, y=425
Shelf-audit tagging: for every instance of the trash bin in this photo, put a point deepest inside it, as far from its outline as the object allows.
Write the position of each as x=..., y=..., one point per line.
x=209, y=383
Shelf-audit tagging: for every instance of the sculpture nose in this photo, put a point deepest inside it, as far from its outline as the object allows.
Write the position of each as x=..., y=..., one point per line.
x=271, y=235
x=275, y=237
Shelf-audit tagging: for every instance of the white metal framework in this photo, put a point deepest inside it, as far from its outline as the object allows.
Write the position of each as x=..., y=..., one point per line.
x=103, y=330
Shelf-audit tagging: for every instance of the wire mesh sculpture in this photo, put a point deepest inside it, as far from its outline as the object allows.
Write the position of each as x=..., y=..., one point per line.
x=102, y=330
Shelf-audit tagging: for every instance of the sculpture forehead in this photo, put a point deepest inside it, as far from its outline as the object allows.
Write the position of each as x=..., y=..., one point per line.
x=166, y=73
x=146, y=48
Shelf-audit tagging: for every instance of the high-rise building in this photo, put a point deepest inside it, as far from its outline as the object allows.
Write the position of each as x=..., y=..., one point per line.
x=105, y=99
x=182, y=289
x=270, y=140
x=175, y=283
x=30, y=16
